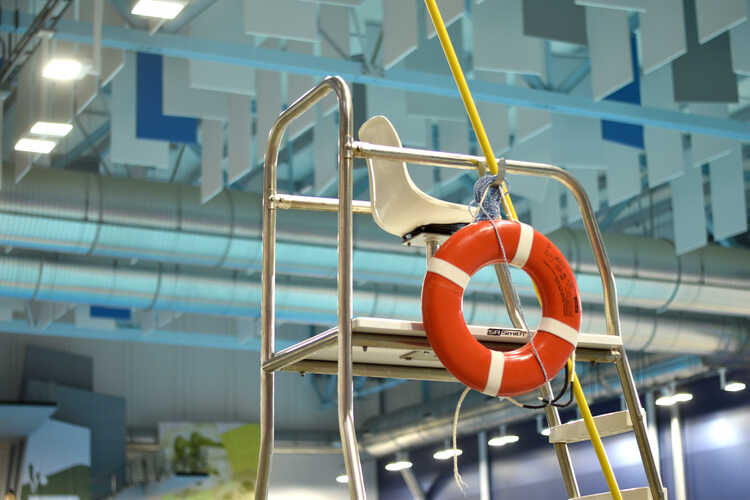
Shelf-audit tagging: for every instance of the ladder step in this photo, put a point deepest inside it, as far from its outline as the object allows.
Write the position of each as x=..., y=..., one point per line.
x=609, y=424
x=631, y=494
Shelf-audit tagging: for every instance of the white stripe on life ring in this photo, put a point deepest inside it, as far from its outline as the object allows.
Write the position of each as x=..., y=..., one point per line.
x=448, y=271
x=495, y=375
x=559, y=329
x=525, y=241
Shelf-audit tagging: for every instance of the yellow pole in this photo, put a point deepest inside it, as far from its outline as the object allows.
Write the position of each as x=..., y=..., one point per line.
x=476, y=122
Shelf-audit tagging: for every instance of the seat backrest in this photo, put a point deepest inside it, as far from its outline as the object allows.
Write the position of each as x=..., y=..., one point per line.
x=399, y=206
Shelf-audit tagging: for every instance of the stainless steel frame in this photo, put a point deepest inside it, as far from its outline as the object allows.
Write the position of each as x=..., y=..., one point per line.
x=295, y=355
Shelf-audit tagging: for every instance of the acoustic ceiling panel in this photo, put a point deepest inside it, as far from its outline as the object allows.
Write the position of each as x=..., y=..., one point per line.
x=626, y=5
x=334, y=27
x=399, y=30
x=707, y=148
x=240, y=140
x=437, y=107
x=609, y=50
x=212, y=176
x=536, y=149
x=589, y=179
x=728, y=203
x=392, y=104
x=268, y=105
x=662, y=33
x=714, y=18
x=296, y=86
x=450, y=11
x=429, y=56
x=560, y=20
x=546, y=215
x=712, y=58
x=688, y=213
x=623, y=172
x=664, y=156
x=495, y=120
x=291, y=19
x=182, y=100
x=576, y=141
x=739, y=39
x=513, y=51
x=325, y=141
x=124, y=146
x=453, y=137
x=222, y=21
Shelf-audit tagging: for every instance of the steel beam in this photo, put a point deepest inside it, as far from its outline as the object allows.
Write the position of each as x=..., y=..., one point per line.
x=276, y=60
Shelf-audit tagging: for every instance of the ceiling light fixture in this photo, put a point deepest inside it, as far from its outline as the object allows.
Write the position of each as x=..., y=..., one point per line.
x=398, y=465
x=41, y=146
x=162, y=9
x=64, y=69
x=734, y=386
x=342, y=479
x=682, y=397
x=447, y=453
x=502, y=440
x=53, y=129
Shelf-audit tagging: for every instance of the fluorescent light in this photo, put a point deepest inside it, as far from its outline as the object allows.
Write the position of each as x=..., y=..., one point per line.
x=342, y=478
x=503, y=440
x=63, y=69
x=734, y=386
x=398, y=465
x=682, y=397
x=447, y=453
x=665, y=401
x=162, y=9
x=35, y=145
x=51, y=128
x=545, y=431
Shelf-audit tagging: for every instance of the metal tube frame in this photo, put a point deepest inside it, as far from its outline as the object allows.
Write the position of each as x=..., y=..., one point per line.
x=348, y=149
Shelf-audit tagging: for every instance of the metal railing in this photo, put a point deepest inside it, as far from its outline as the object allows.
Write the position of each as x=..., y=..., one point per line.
x=348, y=149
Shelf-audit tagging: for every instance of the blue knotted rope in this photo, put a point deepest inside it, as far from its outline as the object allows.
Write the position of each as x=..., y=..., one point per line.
x=487, y=197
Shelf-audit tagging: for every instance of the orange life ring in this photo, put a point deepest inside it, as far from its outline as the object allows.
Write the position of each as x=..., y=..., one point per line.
x=448, y=273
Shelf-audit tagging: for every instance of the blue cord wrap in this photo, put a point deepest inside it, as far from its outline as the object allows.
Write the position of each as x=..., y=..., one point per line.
x=483, y=188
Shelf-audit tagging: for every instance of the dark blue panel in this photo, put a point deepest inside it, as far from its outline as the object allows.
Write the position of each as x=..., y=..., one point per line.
x=64, y=368
x=151, y=123
x=110, y=312
x=626, y=133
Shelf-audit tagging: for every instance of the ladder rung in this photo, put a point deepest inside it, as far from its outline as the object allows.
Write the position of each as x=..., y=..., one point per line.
x=630, y=494
x=609, y=424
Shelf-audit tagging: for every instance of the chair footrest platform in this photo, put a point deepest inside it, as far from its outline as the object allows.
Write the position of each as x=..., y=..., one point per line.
x=630, y=494
x=609, y=424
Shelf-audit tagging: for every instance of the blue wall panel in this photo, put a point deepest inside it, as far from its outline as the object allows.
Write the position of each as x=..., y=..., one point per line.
x=151, y=123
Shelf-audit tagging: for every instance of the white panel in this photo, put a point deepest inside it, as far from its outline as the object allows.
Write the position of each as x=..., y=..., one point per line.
x=291, y=19
x=513, y=51
x=223, y=22
x=268, y=105
x=239, y=141
x=740, y=41
x=536, y=149
x=707, y=148
x=688, y=211
x=495, y=120
x=589, y=179
x=576, y=141
x=609, y=49
x=334, y=21
x=437, y=107
x=399, y=30
x=627, y=5
x=546, y=215
x=181, y=100
x=623, y=172
x=664, y=156
x=453, y=137
x=391, y=103
x=124, y=146
x=212, y=177
x=728, y=203
x=714, y=18
x=298, y=85
x=450, y=10
x=663, y=36
x=326, y=152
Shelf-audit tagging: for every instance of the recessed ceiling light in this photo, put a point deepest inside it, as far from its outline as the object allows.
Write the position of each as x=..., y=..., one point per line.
x=342, y=478
x=665, y=401
x=734, y=386
x=503, y=440
x=54, y=129
x=162, y=9
x=41, y=146
x=682, y=397
x=63, y=69
x=398, y=465
x=447, y=453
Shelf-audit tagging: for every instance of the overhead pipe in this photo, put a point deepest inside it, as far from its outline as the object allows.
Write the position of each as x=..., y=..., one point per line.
x=86, y=214
x=496, y=412
x=226, y=293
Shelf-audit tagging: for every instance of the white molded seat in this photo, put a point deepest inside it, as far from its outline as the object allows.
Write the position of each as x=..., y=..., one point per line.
x=398, y=205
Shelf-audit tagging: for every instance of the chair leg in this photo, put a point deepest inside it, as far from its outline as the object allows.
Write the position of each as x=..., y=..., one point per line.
x=266, y=435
